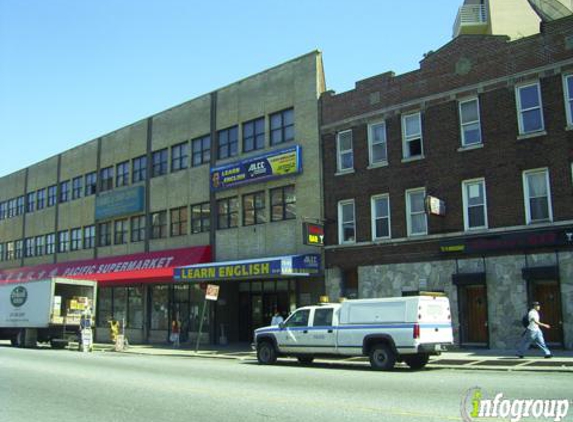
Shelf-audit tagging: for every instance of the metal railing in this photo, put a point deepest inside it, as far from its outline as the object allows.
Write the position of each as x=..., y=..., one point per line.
x=470, y=14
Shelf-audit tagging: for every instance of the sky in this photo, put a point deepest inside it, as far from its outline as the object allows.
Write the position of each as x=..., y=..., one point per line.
x=74, y=70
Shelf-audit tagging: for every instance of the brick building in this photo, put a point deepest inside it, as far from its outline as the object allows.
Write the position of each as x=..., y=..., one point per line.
x=215, y=181
x=457, y=177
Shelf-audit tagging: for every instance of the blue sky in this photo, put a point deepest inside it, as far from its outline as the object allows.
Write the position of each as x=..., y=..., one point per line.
x=73, y=70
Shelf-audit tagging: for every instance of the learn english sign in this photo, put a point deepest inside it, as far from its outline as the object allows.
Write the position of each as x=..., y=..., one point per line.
x=120, y=202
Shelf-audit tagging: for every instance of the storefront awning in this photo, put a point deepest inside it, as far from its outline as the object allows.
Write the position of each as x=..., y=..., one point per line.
x=150, y=267
x=274, y=267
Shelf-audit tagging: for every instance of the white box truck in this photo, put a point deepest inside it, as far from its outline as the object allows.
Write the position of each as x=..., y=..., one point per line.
x=408, y=329
x=47, y=310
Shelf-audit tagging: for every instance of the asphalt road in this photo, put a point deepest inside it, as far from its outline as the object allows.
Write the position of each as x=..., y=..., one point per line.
x=59, y=385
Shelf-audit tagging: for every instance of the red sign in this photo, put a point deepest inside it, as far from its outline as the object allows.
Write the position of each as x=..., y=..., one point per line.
x=135, y=268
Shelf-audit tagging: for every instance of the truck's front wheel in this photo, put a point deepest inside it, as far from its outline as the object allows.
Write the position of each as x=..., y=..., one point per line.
x=382, y=358
x=266, y=353
x=417, y=361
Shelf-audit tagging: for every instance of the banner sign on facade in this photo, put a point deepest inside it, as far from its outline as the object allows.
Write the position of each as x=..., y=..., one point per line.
x=292, y=265
x=108, y=268
x=313, y=234
x=120, y=202
x=212, y=292
x=504, y=242
x=275, y=164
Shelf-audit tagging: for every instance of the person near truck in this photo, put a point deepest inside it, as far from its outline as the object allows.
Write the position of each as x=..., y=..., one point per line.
x=175, y=331
x=277, y=318
x=113, y=329
x=533, y=333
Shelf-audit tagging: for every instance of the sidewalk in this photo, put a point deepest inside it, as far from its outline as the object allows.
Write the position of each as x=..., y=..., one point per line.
x=470, y=359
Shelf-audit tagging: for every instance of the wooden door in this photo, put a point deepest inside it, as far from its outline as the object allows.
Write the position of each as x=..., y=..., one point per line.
x=548, y=294
x=474, y=314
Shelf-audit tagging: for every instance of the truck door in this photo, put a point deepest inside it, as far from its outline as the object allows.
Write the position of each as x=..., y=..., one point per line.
x=294, y=337
x=321, y=337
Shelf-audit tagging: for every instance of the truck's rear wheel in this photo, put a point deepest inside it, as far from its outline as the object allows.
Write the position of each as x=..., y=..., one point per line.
x=382, y=358
x=266, y=353
x=417, y=361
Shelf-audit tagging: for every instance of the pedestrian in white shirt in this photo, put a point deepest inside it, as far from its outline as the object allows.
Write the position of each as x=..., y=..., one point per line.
x=277, y=318
x=533, y=333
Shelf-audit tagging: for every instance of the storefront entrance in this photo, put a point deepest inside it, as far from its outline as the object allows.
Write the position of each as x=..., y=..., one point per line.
x=258, y=301
x=547, y=292
x=473, y=314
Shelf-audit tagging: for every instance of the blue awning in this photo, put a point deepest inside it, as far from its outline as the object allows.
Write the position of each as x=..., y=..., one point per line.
x=280, y=266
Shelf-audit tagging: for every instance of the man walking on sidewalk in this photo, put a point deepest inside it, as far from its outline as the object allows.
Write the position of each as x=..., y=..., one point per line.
x=533, y=333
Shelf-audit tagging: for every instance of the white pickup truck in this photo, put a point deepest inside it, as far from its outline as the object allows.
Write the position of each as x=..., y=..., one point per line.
x=408, y=329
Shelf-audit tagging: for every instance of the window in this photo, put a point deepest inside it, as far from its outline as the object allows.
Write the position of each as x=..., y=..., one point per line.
x=475, y=208
x=346, y=222
x=29, y=247
x=298, y=319
x=30, y=202
x=283, y=203
x=10, y=253
x=254, y=209
x=529, y=109
x=179, y=221
x=11, y=208
x=227, y=213
x=228, y=144
x=179, y=156
x=106, y=179
x=568, y=91
x=282, y=126
x=138, y=228
x=104, y=233
x=254, y=135
x=377, y=143
x=40, y=247
x=200, y=218
x=537, y=196
x=89, y=237
x=76, y=239
x=20, y=205
x=416, y=212
x=3, y=210
x=122, y=174
x=139, y=169
x=77, y=187
x=412, y=144
x=323, y=317
x=120, y=232
x=470, y=122
x=50, y=244
x=63, y=241
x=159, y=163
x=41, y=199
x=380, y=205
x=91, y=183
x=2, y=252
x=159, y=224
x=345, y=156
x=52, y=195
x=19, y=249
x=201, y=150
x=65, y=191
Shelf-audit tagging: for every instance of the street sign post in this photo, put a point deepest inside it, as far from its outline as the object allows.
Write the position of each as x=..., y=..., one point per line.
x=211, y=293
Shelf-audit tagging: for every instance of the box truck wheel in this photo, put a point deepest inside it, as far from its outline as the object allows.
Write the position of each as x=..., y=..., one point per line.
x=382, y=358
x=266, y=353
x=417, y=361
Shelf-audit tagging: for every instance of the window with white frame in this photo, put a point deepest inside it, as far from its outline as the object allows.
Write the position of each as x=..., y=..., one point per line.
x=529, y=108
x=412, y=142
x=537, y=196
x=345, y=156
x=475, y=205
x=377, y=143
x=380, y=211
x=416, y=212
x=346, y=222
x=568, y=91
x=470, y=122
